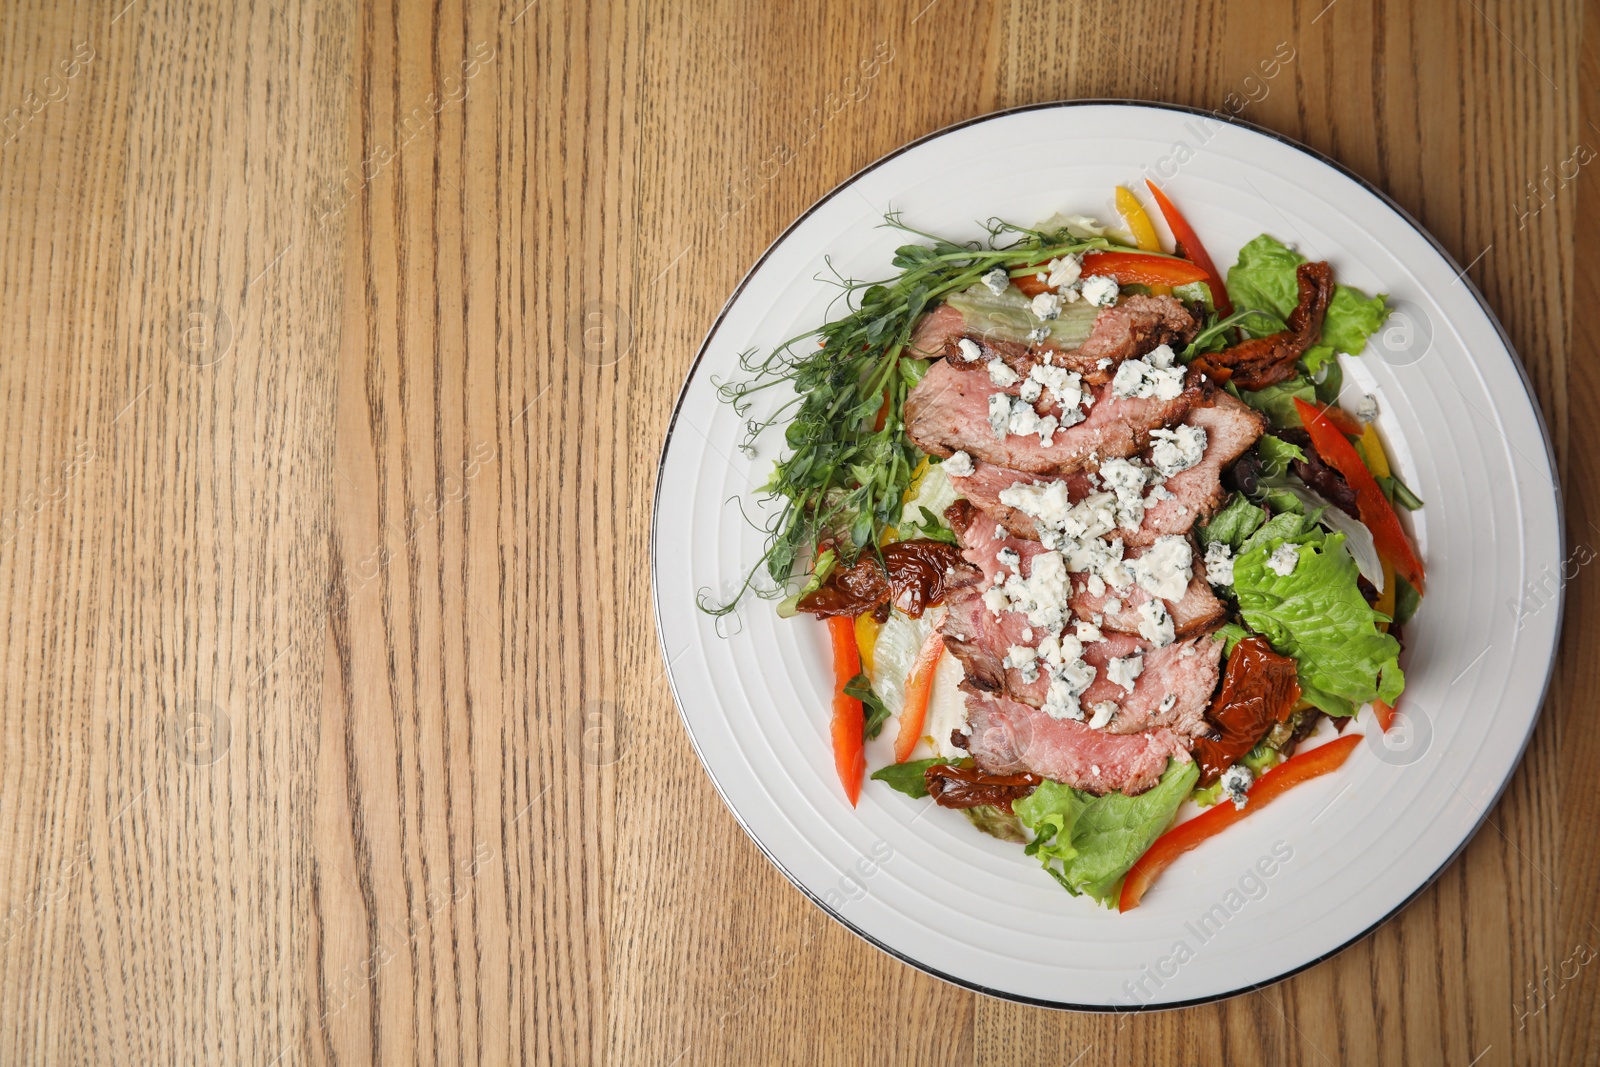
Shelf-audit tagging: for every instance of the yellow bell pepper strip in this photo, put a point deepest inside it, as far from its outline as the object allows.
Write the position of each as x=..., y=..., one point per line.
x=1186, y=836
x=1372, y=452
x=867, y=628
x=918, y=686
x=1139, y=224
x=1143, y=230
x=849, y=754
x=1376, y=512
x=1190, y=248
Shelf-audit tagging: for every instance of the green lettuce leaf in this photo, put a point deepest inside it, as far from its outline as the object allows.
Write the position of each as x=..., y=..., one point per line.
x=875, y=714
x=1276, y=402
x=996, y=822
x=1232, y=524
x=1317, y=615
x=1276, y=455
x=1264, y=278
x=1087, y=843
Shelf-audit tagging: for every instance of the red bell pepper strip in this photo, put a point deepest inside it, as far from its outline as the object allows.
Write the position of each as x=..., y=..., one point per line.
x=849, y=758
x=1128, y=268
x=1190, y=248
x=1376, y=511
x=1184, y=837
x=1384, y=713
x=918, y=686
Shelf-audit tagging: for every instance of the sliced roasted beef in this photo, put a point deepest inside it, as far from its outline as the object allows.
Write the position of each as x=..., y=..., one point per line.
x=1172, y=690
x=948, y=411
x=1198, y=610
x=1231, y=428
x=1132, y=328
x=1185, y=670
x=1006, y=737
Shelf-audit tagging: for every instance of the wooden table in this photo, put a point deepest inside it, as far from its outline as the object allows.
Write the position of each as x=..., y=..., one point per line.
x=338, y=345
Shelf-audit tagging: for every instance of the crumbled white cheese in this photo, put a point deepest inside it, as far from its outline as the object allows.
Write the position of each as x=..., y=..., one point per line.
x=1065, y=270
x=999, y=414
x=959, y=465
x=1043, y=594
x=999, y=532
x=1167, y=702
x=1039, y=333
x=1069, y=294
x=968, y=349
x=1100, y=291
x=1112, y=607
x=1176, y=450
x=1047, y=306
x=1155, y=624
x=1030, y=390
x=1065, y=386
x=1025, y=420
x=1103, y=711
x=1002, y=375
x=1367, y=410
x=1151, y=376
x=1126, y=478
x=1103, y=362
x=1024, y=660
x=997, y=280
x=1087, y=631
x=1236, y=782
x=1219, y=563
x=1009, y=557
x=1126, y=671
x=1283, y=560
x=1165, y=568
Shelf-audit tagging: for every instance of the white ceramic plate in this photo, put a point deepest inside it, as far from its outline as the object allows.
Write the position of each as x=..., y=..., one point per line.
x=922, y=884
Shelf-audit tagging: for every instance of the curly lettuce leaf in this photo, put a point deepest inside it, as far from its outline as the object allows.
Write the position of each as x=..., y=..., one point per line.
x=1087, y=843
x=1317, y=615
x=1232, y=523
x=1276, y=402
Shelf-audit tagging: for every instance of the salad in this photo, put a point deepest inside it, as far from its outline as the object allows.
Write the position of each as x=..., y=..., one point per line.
x=1092, y=537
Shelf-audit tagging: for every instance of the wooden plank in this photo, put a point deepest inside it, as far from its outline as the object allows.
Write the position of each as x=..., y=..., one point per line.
x=339, y=343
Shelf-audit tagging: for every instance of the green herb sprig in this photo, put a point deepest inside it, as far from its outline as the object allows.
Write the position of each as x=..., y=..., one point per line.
x=845, y=475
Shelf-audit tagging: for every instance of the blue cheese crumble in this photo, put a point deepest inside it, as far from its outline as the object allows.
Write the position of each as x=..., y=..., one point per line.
x=1219, y=563
x=997, y=280
x=1236, y=782
x=1283, y=560
x=1125, y=672
x=1176, y=450
x=1100, y=291
x=1153, y=375
x=959, y=465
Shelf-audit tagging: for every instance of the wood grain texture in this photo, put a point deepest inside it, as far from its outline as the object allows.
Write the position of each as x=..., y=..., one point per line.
x=337, y=342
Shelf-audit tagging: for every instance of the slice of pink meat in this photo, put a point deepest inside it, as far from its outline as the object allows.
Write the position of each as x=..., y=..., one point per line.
x=1197, y=610
x=948, y=411
x=1133, y=327
x=1231, y=428
x=1005, y=737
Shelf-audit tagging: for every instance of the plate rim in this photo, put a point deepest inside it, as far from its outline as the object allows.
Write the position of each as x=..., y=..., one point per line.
x=1483, y=304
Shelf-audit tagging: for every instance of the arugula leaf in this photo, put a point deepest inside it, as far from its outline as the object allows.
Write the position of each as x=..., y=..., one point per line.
x=1232, y=524
x=1317, y=615
x=908, y=777
x=1276, y=455
x=996, y=822
x=876, y=715
x=1087, y=843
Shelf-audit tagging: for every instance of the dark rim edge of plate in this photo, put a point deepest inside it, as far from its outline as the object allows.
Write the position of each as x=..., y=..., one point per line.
x=1527, y=385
